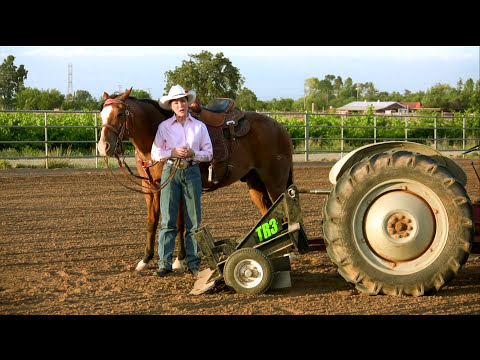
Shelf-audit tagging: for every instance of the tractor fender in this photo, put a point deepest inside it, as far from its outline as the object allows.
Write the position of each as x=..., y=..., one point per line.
x=368, y=150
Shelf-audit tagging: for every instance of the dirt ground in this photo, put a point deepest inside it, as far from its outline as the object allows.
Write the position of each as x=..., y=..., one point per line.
x=70, y=240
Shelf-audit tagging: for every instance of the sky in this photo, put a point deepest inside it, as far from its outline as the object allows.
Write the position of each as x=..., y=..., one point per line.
x=269, y=71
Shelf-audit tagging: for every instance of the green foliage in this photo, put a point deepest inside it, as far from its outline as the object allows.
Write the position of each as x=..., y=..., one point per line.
x=210, y=76
x=56, y=131
x=35, y=99
x=4, y=164
x=82, y=100
x=11, y=81
x=246, y=100
x=140, y=94
x=332, y=92
x=326, y=130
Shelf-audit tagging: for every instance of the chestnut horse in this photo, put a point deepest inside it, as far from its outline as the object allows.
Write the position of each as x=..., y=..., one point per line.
x=262, y=158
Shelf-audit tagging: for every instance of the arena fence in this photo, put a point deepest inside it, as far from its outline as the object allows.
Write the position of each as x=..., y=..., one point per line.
x=313, y=134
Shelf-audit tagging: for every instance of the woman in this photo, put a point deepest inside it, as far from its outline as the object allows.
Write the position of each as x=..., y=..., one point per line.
x=185, y=138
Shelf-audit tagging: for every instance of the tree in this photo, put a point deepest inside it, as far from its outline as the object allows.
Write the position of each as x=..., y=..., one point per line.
x=27, y=99
x=35, y=99
x=348, y=93
x=473, y=96
x=438, y=96
x=11, y=81
x=210, y=76
x=312, y=93
x=337, y=86
x=140, y=94
x=470, y=97
x=82, y=100
x=284, y=104
x=326, y=88
x=246, y=100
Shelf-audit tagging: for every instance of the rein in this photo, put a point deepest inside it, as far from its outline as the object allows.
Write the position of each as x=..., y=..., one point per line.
x=152, y=190
x=119, y=134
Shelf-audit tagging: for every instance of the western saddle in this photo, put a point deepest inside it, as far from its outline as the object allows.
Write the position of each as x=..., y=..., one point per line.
x=223, y=122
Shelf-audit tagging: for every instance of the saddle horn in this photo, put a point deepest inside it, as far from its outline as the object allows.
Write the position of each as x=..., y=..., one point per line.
x=196, y=107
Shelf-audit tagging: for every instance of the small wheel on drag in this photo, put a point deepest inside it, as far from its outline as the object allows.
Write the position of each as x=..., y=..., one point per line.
x=248, y=271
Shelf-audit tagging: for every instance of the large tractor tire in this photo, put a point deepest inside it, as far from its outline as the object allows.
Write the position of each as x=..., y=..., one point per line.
x=398, y=223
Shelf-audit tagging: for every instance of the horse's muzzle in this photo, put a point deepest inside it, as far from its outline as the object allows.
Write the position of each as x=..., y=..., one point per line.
x=104, y=147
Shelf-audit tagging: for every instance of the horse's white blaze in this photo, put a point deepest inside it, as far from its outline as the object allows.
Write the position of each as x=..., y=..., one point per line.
x=105, y=113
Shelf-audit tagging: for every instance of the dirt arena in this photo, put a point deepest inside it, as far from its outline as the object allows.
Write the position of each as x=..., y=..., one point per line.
x=70, y=240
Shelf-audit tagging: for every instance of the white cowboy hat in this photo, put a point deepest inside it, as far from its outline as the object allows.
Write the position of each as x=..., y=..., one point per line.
x=177, y=92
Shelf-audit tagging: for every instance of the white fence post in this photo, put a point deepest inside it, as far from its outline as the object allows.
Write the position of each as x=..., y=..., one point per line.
x=307, y=132
x=341, y=141
x=46, y=142
x=96, y=147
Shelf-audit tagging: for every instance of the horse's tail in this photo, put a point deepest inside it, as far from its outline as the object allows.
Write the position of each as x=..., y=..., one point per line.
x=290, y=175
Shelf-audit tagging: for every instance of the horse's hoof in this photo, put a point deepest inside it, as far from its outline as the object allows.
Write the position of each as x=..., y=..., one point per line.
x=178, y=265
x=141, y=266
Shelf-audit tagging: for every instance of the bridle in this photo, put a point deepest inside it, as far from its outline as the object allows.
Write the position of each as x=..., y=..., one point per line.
x=119, y=134
x=122, y=163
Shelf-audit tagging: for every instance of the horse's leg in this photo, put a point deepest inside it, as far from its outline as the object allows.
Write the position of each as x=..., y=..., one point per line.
x=276, y=177
x=153, y=207
x=179, y=263
x=258, y=192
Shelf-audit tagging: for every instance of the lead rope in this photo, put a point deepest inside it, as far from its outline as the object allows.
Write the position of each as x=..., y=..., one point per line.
x=167, y=180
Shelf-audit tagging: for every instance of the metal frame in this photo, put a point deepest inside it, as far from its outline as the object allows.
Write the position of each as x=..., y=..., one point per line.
x=278, y=233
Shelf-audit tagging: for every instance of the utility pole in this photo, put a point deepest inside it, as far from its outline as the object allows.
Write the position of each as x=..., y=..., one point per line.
x=70, y=84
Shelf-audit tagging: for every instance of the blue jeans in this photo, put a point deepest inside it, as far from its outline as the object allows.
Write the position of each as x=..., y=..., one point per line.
x=185, y=185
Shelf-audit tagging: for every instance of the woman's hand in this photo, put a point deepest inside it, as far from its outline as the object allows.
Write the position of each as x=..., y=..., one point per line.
x=183, y=152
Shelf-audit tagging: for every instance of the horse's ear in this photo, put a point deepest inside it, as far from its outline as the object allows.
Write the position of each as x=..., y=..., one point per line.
x=105, y=96
x=126, y=94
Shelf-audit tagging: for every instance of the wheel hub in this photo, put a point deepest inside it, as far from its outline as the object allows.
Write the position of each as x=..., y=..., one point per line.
x=248, y=273
x=399, y=226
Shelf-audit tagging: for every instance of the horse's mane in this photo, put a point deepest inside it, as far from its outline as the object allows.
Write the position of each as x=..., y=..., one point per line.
x=155, y=104
x=166, y=113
